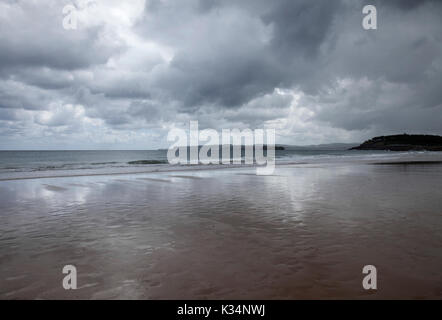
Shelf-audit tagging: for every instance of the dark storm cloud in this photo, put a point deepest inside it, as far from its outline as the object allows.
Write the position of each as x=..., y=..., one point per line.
x=298, y=64
x=237, y=54
x=32, y=36
x=402, y=4
x=49, y=51
x=300, y=27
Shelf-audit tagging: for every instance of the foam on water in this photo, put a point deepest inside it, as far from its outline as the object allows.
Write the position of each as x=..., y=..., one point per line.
x=40, y=164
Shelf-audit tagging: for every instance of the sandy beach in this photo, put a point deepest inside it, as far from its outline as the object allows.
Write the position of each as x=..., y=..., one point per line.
x=305, y=232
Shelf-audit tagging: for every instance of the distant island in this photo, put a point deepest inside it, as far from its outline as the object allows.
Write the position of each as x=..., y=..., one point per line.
x=264, y=147
x=403, y=142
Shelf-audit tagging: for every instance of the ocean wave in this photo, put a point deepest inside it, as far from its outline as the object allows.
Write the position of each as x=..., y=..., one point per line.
x=103, y=163
x=148, y=162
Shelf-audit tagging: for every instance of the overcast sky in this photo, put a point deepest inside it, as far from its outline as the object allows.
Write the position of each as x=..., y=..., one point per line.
x=132, y=70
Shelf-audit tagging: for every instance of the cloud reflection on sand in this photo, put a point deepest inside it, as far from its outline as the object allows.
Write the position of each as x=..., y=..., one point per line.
x=305, y=232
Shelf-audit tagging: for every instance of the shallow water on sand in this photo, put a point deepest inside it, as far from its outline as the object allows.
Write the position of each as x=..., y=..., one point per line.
x=305, y=232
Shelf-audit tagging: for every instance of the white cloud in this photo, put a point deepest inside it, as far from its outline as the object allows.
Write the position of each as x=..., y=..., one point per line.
x=133, y=69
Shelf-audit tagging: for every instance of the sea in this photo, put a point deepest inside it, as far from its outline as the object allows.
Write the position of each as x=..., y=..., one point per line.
x=40, y=164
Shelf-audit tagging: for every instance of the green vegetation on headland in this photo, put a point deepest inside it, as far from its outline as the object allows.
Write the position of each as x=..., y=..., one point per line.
x=403, y=142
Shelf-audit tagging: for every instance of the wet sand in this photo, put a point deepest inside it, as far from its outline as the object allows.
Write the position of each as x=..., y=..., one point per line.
x=305, y=232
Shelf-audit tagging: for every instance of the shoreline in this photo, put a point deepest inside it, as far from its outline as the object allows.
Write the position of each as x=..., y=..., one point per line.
x=425, y=160
x=305, y=232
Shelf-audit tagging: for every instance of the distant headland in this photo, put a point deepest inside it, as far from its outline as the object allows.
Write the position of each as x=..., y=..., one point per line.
x=403, y=142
